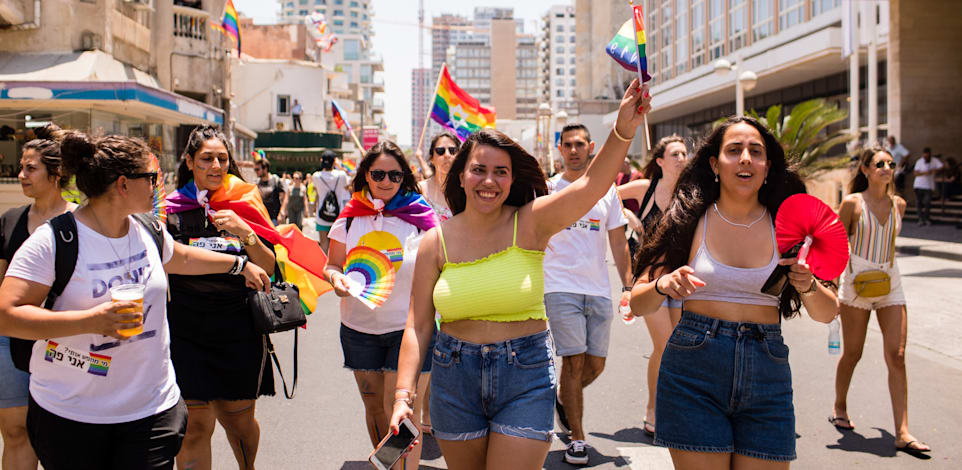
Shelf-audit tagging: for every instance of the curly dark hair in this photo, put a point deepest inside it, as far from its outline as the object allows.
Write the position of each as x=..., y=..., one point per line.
x=670, y=246
x=197, y=138
x=651, y=170
x=529, y=181
x=386, y=147
x=47, y=145
x=99, y=161
x=859, y=182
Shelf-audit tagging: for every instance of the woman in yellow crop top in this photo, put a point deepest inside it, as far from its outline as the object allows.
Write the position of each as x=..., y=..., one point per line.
x=493, y=382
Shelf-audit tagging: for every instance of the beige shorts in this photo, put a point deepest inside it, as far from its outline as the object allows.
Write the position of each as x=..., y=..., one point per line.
x=846, y=292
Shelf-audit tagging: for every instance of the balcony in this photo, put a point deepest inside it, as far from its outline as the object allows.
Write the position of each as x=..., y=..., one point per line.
x=128, y=30
x=190, y=23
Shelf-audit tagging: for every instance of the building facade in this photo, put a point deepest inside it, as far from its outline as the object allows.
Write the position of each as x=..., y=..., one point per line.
x=558, y=52
x=422, y=88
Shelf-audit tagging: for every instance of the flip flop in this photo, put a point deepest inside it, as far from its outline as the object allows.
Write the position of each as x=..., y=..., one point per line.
x=835, y=422
x=913, y=451
x=645, y=428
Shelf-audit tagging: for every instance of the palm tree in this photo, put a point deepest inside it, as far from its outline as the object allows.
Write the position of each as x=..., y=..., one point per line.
x=803, y=136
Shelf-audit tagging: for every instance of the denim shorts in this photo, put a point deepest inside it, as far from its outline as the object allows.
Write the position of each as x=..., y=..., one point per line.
x=671, y=303
x=14, y=383
x=506, y=387
x=726, y=387
x=375, y=353
x=579, y=323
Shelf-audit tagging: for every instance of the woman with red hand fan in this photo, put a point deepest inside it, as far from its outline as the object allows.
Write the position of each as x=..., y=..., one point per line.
x=385, y=219
x=872, y=200
x=715, y=248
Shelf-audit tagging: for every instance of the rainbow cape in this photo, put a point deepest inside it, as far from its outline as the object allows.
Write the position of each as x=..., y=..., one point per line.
x=229, y=24
x=458, y=111
x=628, y=46
x=410, y=207
x=300, y=258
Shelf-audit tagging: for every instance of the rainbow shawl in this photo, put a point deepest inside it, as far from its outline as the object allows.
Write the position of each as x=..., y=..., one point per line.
x=410, y=207
x=299, y=258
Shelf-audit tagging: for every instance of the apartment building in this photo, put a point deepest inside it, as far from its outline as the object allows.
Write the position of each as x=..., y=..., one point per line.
x=558, y=51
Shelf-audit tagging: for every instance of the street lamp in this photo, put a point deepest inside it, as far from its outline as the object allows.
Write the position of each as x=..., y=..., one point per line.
x=745, y=81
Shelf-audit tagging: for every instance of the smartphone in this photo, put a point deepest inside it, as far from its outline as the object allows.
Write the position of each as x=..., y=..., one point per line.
x=779, y=278
x=389, y=451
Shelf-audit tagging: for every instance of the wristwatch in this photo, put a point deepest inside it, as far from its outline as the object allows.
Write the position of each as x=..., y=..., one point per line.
x=251, y=239
x=626, y=288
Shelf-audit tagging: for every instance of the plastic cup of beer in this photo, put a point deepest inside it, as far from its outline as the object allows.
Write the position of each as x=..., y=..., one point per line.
x=129, y=293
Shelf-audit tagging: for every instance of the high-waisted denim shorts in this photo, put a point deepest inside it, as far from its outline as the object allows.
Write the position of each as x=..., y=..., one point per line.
x=14, y=382
x=726, y=387
x=506, y=387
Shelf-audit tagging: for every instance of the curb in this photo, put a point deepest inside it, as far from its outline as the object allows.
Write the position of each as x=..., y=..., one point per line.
x=916, y=250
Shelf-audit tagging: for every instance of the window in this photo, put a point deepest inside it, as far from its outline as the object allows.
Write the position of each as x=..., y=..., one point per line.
x=822, y=6
x=354, y=24
x=762, y=23
x=338, y=13
x=572, y=49
x=354, y=4
x=560, y=28
x=353, y=14
x=352, y=49
x=559, y=71
x=283, y=105
x=572, y=82
x=571, y=71
x=716, y=15
x=681, y=36
x=697, y=33
x=560, y=61
x=303, y=2
x=571, y=61
x=572, y=40
x=338, y=22
x=559, y=82
x=790, y=13
x=338, y=2
x=559, y=50
x=366, y=74
x=302, y=12
x=737, y=24
x=320, y=2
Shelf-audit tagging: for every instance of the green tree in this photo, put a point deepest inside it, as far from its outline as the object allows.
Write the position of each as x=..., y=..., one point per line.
x=803, y=136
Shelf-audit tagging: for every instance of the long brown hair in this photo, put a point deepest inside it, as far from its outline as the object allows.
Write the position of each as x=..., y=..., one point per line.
x=859, y=182
x=528, y=183
x=652, y=170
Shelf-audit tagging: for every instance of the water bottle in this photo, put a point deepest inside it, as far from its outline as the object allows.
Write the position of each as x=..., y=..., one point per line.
x=834, y=338
x=625, y=312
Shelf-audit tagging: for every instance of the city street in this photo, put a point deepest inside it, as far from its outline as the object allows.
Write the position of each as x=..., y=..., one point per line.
x=322, y=428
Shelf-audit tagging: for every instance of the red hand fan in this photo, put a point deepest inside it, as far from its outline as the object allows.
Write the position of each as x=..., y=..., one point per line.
x=803, y=215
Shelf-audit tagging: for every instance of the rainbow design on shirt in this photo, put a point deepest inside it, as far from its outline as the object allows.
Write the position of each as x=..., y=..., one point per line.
x=51, y=351
x=396, y=255
x=594, y=225
x=99, y=365
x=372, y=275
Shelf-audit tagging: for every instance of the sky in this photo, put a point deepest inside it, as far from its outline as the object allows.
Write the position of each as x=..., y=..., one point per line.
x=396, y=39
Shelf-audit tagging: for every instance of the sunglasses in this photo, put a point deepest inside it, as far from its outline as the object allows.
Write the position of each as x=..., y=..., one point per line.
x=150, y=174
x=395, y=175
x=884, y=163
x=440, y=150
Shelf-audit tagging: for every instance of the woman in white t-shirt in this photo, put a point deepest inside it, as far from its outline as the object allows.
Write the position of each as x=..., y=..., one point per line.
x=387, y=214
x=101, y=396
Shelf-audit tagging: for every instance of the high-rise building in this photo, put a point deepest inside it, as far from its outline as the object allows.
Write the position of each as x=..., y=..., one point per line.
x=421, y=88
x=557, y=70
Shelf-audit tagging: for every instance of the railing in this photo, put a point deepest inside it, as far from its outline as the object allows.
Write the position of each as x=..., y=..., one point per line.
x=190, y=23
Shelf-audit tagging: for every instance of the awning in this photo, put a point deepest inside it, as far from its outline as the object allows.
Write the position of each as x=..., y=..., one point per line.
x=94, y=80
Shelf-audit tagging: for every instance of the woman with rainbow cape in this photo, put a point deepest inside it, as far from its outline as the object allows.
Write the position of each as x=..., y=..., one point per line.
x=373, y=246
x=219, y=358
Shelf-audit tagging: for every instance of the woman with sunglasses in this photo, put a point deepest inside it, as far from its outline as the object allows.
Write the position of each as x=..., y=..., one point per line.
x=103, y=396
x=872, y=215
x=385, y=219
x=220, y=358
x=443, y=147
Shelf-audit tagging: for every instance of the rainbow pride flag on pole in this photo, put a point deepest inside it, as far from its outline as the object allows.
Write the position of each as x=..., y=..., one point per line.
x=628, y=46
x=458, y=111
x=339, y=116
x=229, y=24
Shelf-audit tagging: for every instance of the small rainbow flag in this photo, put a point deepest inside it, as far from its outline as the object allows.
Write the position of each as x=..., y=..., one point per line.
x=339, y=116
x=458, y=111
x=229, y=24
x=99, y=365
x=349, y=166
x=628, y=46
x=595, y=224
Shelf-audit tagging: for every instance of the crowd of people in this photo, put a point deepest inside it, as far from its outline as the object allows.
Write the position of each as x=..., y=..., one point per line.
x=497, y=270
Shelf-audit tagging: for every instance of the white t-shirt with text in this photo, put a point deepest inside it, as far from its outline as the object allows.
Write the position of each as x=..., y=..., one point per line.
x=926, y=181
x=92, y=378
x=575, y=260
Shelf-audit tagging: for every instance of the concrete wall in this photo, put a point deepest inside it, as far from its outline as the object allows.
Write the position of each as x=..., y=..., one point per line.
x=503, y=68
x=61, y=22
x=924, y=102
x=257, y=83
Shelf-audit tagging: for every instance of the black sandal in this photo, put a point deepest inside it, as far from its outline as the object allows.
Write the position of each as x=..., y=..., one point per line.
x=648, y=433
x=913, y=451
x=835, y=419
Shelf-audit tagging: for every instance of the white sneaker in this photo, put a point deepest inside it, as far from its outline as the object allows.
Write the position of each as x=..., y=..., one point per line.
x=577, y=453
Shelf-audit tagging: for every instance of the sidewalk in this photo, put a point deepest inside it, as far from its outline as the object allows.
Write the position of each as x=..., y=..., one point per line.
x=937, y=241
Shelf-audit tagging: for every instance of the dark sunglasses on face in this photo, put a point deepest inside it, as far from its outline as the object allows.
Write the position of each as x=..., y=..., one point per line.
x=883, y=164
x=440, y=150
x=150, y=174
x=394, y=175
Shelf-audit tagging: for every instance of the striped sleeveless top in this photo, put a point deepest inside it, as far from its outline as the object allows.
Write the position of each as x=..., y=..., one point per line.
x=872, y=240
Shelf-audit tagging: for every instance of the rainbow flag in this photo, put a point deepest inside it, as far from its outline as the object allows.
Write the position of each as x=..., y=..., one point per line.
x=349, y=166
x=339, y=116
x=628, y=46
x=229, y=24
x=458, y=111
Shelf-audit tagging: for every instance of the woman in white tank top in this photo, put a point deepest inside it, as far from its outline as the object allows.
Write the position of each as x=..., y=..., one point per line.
x=714, y=249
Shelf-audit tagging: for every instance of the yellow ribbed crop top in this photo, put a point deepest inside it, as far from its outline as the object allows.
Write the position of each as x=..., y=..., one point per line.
x=504, y=286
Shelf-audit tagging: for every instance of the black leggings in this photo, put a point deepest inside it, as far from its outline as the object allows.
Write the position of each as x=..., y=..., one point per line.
x=149, y=443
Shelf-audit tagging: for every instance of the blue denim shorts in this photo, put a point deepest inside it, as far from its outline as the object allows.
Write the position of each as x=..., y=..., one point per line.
x=375, y=353
x=579, y=323
x=506, y=387
x=726, y=387
x=14, y=383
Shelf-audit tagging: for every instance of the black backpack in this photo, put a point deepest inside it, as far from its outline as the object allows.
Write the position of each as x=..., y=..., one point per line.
x=65, y=260
x=330, y=207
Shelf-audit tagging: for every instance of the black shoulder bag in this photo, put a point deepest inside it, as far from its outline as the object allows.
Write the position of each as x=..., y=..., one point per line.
x=276, y=311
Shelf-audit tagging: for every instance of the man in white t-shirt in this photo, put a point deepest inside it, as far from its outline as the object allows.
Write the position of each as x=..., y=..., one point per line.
x=328, y=180
x=925, y=169
x=577, y=292
x=900, y=155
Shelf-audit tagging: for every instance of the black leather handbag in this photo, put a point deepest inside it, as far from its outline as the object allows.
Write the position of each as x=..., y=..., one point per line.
x=276, y=311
